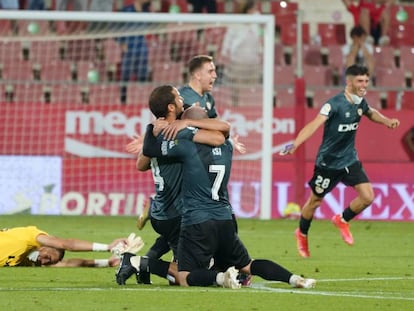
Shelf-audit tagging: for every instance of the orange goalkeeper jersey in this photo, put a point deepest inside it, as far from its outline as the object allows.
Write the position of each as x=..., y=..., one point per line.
x=16, y=244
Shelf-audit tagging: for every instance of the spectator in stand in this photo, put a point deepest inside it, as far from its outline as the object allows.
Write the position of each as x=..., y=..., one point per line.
x=359, y=51
x=9, y=4
x=36, y=5
x=100, y=6
x=242, y=52
x=75, y=5
x=374, y=16
x=200, y=5
x=134, y=49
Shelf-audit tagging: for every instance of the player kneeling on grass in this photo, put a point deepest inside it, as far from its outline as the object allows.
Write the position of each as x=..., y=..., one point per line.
x=30, y=246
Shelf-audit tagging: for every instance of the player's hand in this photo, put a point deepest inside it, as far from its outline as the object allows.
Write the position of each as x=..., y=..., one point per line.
x=240, y=147
x=170, y=131
x=135, y=146
x=288, y=149
x=133, y=245
x=393, y=123
x=113, y=261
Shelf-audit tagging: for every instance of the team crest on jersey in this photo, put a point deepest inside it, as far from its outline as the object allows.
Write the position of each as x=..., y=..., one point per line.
x=359, y=111
x=347, y=114
x=208, y=105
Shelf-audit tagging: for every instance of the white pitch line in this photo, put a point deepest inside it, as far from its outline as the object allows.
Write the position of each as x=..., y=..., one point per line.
x=255, y=287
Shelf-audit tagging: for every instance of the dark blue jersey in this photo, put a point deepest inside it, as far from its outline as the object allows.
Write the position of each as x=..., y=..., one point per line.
x=191, y=97
x=167, y=175
x=206, y=172
x=337, y=150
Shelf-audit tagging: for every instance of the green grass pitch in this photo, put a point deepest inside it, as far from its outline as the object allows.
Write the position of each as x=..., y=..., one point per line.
x=376, y=273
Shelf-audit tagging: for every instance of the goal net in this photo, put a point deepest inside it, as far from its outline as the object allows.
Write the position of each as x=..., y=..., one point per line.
x=74, y=89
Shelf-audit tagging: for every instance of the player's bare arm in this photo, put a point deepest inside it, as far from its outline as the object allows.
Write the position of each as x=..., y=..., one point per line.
x=208, y=137
x=172, y=129
x=307, y=131
x=375, y=116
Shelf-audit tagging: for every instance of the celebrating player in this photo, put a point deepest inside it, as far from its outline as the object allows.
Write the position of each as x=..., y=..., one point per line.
x=337, y=159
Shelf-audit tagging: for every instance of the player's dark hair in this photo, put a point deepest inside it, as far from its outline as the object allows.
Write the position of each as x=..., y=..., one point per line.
x=61, y=252
x=357, y=31
x=159, y=100
x=357, y=70
x=197, y=62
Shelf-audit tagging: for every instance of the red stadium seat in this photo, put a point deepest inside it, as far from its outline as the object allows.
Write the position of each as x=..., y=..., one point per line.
x=18, y=70
x=284, y=75
x=138, y=93
x=402, y=34
x=332, y=34
x=384, y=57
x=104, y=94
x=44, y=51
x=6, y=28
x=317, y=75
x=285, y=97
x=288, y=34
x=112, y=51
x=312, y=55
x=406, y=57
x=319, y=96
x=56, y=70
x=28, y=93
x=390, y=77
x=377, y=98
x=168, y=72
x=84, y=68
x=10, y=51
x=335, y=57
x=66, y=94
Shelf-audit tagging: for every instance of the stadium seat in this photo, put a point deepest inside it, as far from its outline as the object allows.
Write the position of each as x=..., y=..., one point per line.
x=377, y=98
x=335, y=57
x=28, y=93
x=277, y=9
x=112, y=51
x=104, y=94
x=317, y=96
x=81, y=50
x=401, y=35
x=44, y=51
x=284, y=75
x=317, y=75
x=168, y=72
x=284, y=97
x=331, y=33
x=6, y=28
x=10, y=51
x=390, y=77
x=66, y=94
x=56, y=70
x=158, y=51
x=18, y=70
x=288, y=33
x=312, y=55
x=384, y=57
x=138, y=93
x=406, y=57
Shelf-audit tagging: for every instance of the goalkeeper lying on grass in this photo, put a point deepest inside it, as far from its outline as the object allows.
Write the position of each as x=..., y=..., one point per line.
x=30, y=246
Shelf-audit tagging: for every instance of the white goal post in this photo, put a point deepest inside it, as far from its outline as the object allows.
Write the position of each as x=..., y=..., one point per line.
x=264, y=128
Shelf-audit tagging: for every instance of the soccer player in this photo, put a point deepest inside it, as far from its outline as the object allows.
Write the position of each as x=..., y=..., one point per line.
x=207, y=228
x=337, y=159
x=203, y=74
x=30, y=246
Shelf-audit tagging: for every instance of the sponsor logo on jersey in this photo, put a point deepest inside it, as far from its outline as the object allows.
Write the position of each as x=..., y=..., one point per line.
x=347, y=127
